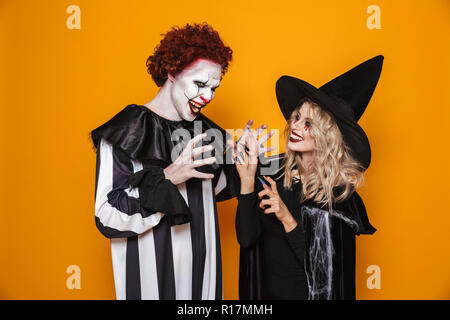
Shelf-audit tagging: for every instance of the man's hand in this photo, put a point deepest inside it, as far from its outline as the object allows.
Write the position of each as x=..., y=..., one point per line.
x=183, y=168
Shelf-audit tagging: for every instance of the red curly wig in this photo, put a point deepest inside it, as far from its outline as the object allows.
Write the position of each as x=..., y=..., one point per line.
x=182, y=46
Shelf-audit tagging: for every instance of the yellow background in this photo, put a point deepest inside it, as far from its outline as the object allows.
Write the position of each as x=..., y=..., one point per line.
x=58, y=84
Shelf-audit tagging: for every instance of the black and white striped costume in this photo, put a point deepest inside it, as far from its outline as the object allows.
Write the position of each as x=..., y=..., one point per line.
x=168, y=248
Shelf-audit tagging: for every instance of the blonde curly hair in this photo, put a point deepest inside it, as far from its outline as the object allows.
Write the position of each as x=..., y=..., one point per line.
x=333, y=165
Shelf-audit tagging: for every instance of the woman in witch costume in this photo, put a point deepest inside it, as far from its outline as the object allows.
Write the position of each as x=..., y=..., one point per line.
x=298, y=239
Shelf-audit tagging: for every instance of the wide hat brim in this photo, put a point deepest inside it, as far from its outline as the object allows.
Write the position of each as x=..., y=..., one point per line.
x=290, y=91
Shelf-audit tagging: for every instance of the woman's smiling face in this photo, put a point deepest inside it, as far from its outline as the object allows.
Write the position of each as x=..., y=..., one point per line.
x=194, y=87
x=300, y=139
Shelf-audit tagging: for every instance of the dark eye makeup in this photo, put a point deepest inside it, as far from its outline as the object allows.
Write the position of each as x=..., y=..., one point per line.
x=200, y=84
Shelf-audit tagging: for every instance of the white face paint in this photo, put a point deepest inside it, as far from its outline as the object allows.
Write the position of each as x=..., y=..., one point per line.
x=194, y=87
x=300, y=138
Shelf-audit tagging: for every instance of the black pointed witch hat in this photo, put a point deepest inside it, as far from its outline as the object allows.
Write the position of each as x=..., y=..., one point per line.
x=345, y=98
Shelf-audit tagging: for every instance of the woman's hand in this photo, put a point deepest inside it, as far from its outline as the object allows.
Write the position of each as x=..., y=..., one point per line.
x=260, y=149
x=276, y=205
x=246, y=152
x=246, y=162
x=183, y=168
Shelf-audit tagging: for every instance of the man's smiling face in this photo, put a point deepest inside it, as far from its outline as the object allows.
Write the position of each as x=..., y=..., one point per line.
x=194, y=87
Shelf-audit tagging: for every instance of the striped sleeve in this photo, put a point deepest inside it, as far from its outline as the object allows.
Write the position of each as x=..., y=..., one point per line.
x=227, y=184
x=224, y=186
x=221, y=183
x=118, y=212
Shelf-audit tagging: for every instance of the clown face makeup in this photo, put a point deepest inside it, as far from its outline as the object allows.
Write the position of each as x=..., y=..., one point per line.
x=300, y=139
x=194, y=88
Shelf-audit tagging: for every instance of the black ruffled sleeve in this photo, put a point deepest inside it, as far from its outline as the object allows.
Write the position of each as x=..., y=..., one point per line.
x=233, y=181
x=248, y=225
x=358, y=212
x=157, y=194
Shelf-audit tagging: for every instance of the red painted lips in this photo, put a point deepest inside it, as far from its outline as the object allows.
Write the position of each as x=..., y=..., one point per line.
x=195, y=107
x=292, y=139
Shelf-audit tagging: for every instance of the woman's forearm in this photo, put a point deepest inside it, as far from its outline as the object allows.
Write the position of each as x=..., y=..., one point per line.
x=247, y=185
x=289, y=223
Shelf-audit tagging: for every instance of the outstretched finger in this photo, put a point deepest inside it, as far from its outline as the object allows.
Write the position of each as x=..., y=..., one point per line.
x=264, y=192
x=202, y=175
x=272, y=184
x=266, y=137
x=259, y=130
x=196, y=139
x=241, y=154
x=238, y=159
x=231, y=143
x=249, y=144
x=264, y=150
x=252, y=150
x=249, y=124
x=247, y=130
x=202, y=162
x=235, y=158
x=199, y=150
x=269, y=190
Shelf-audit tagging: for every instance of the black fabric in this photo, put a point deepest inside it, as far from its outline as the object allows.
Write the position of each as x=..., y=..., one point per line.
x=136, y=133
x=219, y=289
x=354, y=88
x=343, y=262
x=155, y=190
x=345, y=98
x=195, y=199
x=271, y=260
x=107, y=231
x=144, y=135
x=97, y=171
x=296, y=239
x=117, y=197
x=140, y=134
x=357, y=210
x=344, y=267
x=112, y=233
x=164, y=262
x=133, y=280
x=248, y=230
x=250, y=274
x=264, y=247
x=233, y=180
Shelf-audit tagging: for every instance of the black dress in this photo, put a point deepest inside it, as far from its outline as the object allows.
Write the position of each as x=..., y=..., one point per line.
x=282, y=254
x=314, y=261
